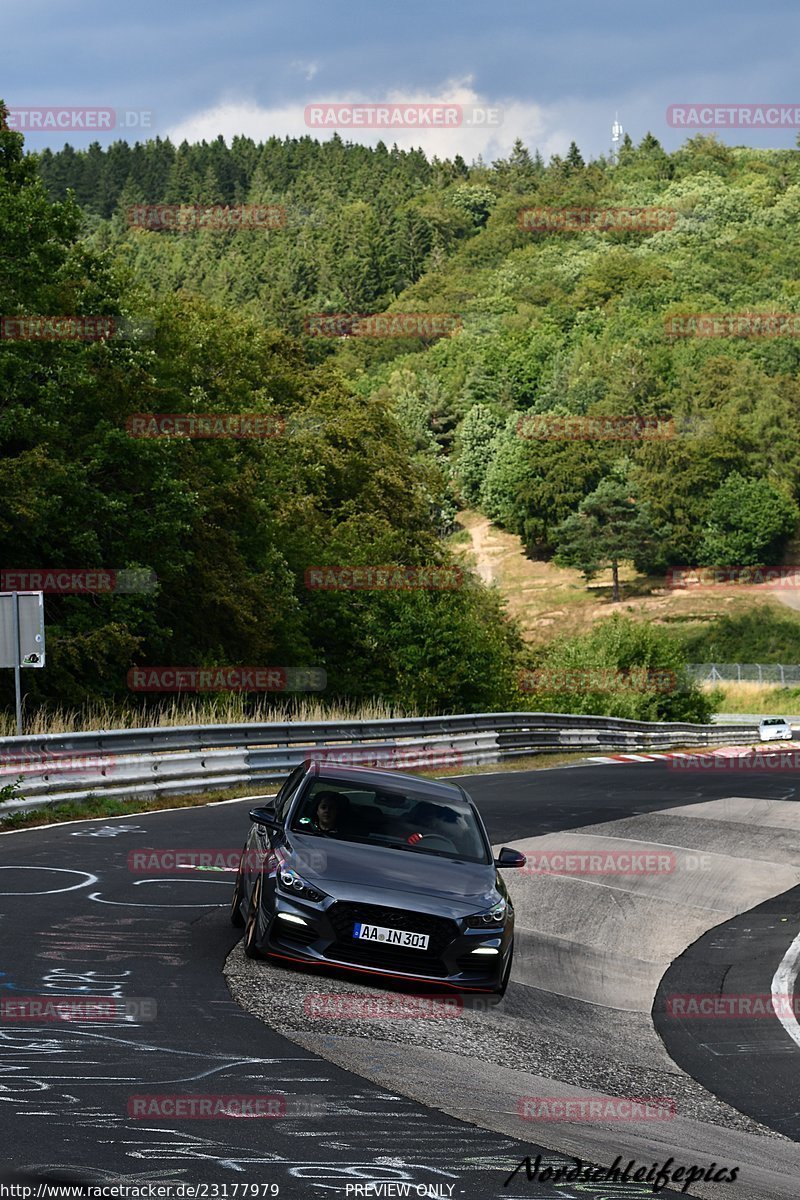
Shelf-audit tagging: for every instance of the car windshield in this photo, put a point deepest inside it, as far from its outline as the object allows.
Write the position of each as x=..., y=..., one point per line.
x=395, y=819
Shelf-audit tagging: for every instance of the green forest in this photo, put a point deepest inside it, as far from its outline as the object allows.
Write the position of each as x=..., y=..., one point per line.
x=386, y=438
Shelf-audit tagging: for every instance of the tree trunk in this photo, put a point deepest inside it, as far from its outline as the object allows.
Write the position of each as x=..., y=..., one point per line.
x=615, y=576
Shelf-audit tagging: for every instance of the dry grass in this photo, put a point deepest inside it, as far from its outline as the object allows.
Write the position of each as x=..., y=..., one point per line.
x=226, y=709
x=763, y=698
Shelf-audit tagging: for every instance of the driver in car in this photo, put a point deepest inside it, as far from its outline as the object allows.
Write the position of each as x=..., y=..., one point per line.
x=330, y=812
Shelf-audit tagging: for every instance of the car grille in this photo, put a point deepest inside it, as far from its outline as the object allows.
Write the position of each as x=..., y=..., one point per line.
x=387, y=957
x=343, y=916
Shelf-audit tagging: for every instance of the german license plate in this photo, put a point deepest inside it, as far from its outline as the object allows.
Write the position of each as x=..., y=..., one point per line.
x=390, y=937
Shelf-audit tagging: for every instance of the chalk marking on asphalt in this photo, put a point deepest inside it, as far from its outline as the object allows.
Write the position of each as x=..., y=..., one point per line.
x=203, y=867
x=138, y=883
x=783, y=983
x=88, y=879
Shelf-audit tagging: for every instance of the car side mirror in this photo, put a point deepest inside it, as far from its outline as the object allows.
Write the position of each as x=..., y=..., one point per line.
x=265, y=816
x=510, y=858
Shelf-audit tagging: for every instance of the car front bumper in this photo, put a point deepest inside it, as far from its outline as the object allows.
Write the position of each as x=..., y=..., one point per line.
x=323, y=942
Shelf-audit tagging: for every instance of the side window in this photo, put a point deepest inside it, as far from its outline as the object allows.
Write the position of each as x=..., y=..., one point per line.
x=286, y=794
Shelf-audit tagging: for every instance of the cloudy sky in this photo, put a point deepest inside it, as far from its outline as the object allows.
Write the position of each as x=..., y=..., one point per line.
x=555, y=71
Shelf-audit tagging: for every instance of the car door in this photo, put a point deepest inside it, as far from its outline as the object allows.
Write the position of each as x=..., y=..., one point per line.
x=259, y=856
x=269, y=842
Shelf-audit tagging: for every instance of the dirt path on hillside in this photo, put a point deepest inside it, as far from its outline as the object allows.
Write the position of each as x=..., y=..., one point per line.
x=549, y=600
x=484, y=548
x=788, y=592
x=537, y=593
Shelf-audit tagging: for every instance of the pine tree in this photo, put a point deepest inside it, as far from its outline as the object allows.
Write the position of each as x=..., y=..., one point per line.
x=574, y=159
x=516, y=173
x=182, y=186
x=609, y=527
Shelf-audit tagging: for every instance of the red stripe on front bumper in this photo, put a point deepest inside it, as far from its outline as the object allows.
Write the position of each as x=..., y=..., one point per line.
x=321, y=962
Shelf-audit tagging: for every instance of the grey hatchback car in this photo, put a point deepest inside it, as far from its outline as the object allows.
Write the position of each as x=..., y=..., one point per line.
x=379, y=873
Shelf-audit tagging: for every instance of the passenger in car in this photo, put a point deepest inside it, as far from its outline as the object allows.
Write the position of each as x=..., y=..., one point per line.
x=438, y=821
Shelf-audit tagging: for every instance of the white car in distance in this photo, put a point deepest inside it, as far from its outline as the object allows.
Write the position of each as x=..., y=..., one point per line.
x=774, y=729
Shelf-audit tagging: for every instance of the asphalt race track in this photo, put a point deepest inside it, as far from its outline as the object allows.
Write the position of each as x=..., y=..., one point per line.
x=428, y=1103
x=738, y=958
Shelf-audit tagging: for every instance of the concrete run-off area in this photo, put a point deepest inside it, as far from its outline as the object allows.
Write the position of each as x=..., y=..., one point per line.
x=576, y=1021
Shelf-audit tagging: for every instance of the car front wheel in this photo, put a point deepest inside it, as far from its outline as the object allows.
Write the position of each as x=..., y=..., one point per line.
x=252, y=947
x=236, y=903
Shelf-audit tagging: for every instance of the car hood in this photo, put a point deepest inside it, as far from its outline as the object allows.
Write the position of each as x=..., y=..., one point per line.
x=361, y=869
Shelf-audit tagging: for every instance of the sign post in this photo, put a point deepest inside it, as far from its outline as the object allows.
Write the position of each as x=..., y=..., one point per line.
x=21, y=637
x=16, y=651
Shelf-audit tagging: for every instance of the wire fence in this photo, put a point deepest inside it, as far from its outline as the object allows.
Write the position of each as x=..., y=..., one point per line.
x=786, y=674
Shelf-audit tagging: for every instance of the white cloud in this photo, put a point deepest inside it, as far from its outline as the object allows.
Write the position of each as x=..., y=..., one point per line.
x=307, y=69
x=534, y=123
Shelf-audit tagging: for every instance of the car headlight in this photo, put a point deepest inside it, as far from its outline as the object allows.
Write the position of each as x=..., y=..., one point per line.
x=490, y=917
x=294, y=885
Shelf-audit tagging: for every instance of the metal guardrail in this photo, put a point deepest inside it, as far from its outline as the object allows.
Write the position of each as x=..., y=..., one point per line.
x=175, y=760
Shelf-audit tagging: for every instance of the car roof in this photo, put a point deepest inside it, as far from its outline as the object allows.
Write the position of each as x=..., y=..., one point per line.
x=377, y=778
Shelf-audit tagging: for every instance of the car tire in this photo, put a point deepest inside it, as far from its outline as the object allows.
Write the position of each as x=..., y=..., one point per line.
x=251, y=947
x=237, y=920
